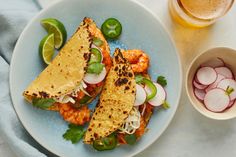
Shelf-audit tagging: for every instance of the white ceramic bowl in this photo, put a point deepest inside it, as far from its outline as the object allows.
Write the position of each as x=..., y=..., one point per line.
x=229, y=57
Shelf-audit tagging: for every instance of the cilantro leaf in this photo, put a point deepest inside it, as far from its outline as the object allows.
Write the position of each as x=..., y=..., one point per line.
x=130, y=139
x=97, y=41
x=139, y=79
x=166, y=105
x=95, y=68
x=229, y=90
x=74, y=133
x=162, y=81
x=43, y=103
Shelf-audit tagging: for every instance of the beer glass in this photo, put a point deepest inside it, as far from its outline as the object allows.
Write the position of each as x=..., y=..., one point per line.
x=198, y=13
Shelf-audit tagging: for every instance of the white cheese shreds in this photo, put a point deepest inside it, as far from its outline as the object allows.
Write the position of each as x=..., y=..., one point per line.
x=132, y=122
x=144, y=108
x=67, y=98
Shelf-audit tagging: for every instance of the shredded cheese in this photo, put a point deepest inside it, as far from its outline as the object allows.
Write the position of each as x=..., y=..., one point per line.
x=132, y=123
x=67, y=98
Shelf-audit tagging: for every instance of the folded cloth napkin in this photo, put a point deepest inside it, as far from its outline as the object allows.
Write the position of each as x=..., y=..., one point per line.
x=14, y=15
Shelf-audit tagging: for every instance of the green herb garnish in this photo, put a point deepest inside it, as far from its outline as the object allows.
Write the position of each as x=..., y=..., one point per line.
x=74, y=133
x=229, y=90
x=130, y=139
x=95, y=68
x=166, y=105
x=139, y=79
x=43, y=103
x=162, y=81
x=97, y=41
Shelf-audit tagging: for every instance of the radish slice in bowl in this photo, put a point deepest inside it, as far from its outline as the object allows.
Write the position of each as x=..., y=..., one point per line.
x=95, y=78
x=206, y=75
x=199, y=86
x=199, y=93
x=228, y=83
x=216, y=100
x=214, y=85
x=140, y=95
x=225, y=71
x=160, y=95
x=231, y=103
x=215, y=62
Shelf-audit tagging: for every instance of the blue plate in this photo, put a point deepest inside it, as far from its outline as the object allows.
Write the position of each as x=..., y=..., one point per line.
x=141, y=30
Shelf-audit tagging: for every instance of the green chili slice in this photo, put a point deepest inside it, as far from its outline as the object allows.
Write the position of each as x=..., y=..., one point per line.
x=96, y=56
x=152, y=87
x=106, y=143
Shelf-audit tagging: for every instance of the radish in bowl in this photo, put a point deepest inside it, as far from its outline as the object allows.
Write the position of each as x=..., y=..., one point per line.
x=214, y=85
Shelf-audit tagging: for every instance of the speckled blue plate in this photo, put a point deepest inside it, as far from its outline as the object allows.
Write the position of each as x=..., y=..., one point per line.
x=141, y=29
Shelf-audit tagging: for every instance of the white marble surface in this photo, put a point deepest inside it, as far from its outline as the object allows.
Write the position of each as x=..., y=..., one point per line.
x=190, y=134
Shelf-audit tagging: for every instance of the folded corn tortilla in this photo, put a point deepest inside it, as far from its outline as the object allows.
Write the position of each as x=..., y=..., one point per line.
x=116, y=100
x=68, y=68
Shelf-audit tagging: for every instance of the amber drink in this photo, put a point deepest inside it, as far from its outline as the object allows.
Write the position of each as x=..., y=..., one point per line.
x=198, y=13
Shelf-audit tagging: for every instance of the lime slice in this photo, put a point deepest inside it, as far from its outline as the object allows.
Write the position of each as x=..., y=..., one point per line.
x=46, y=48
x=57, y=28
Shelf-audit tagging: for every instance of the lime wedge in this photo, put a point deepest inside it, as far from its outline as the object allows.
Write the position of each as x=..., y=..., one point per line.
x=46, y=48
x=57, y=28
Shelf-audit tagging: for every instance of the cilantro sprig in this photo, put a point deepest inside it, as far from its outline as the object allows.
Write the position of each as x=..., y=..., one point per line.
x=130, y=139
x=95, y=68
x=43, y=103
x=162, y=81
x=139, y=79
x=74, y=133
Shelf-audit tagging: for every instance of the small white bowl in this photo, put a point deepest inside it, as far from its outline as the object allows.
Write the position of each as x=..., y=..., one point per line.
x=229, y=57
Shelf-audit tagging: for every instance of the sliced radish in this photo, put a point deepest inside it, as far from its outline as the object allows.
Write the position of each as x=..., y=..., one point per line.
x=225, y=83
x=160, y=96
x=94, y=78
x=140, y=95
x=196, y=80
x=225, y=71
x=214, y=85
x=199, y=86
x=215, y=62
x=199, y=93
x=216, y=100
x=206, y=75
x=231, y=103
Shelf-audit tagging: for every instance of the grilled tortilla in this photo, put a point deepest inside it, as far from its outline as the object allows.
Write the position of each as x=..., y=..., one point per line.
x=68, y=68
x=116, y=101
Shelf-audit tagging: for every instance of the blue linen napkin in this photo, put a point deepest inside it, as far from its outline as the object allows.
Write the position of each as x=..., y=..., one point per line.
x=14, y=15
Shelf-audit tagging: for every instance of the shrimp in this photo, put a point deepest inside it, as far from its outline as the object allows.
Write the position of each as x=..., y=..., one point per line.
x=73, y=115
x=138, y=59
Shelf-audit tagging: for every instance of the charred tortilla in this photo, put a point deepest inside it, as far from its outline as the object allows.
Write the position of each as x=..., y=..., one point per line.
x=116, y=101
x=68, y=68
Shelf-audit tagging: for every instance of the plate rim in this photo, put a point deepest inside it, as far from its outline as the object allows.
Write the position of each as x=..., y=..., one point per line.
x=149, y=11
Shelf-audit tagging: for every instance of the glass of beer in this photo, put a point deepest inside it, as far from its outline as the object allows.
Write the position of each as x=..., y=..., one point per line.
x=198, y=13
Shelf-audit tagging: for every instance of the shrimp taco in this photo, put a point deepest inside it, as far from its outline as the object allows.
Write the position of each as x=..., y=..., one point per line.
x=75, y=76
x=123, y=111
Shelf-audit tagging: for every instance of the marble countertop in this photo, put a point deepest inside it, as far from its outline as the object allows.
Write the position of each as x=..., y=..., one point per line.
x=190, y=134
